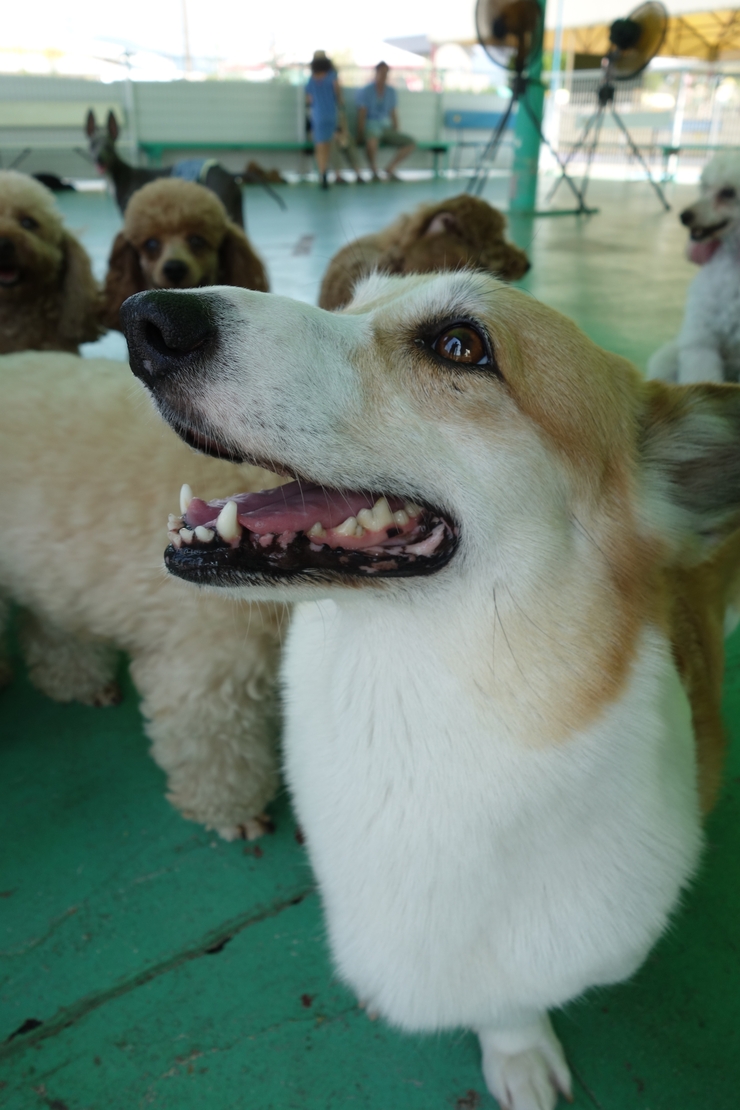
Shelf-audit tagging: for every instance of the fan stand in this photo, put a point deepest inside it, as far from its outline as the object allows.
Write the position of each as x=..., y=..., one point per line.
x=477, y=182
x=606, y=94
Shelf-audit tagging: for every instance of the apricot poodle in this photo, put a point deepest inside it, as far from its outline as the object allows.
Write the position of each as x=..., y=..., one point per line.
x=177, y=235
x=89, y=474
x=459, y=233
x=49, y=299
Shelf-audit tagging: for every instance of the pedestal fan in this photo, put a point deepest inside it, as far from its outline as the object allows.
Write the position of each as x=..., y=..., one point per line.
x=633, y=43
x=510, y=32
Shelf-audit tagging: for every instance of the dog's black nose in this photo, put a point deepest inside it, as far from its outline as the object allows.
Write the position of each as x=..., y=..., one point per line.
x=175, y=271
x=7, y=249
x=687, y=217
x=167, y=332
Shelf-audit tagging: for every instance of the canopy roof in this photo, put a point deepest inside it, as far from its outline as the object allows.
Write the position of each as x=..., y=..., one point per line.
x=710, y=35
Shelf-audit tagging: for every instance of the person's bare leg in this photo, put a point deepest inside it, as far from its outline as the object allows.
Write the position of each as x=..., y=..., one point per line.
x=322, y=152
x=401, y=153
x=371, y=146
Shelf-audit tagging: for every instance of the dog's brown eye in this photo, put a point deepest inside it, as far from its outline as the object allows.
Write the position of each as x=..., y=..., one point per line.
x=28, y=222
x=727, y=194
x=197, y=242
x=461, y=344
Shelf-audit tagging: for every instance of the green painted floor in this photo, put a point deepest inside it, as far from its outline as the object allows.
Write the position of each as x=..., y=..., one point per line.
x=144, y=963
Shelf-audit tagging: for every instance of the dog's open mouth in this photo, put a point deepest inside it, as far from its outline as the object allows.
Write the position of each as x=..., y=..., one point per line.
x=9, y=276
x=699, y=234
x=304, y=530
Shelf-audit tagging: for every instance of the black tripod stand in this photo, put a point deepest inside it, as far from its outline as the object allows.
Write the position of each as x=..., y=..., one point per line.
x=606, y=100
x=519, y=96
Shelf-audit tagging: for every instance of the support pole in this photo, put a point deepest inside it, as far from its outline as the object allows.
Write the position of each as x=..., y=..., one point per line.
x=523, y=192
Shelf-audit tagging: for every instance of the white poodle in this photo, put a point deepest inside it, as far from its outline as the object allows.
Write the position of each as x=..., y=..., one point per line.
x=88, y=470
x=707, y=348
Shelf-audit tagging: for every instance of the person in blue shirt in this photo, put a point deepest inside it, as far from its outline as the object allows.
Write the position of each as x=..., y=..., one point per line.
x=323, y=99
x=377, y=123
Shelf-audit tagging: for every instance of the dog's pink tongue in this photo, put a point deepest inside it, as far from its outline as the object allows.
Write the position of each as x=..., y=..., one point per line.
x=700, y=253
x=295, y=507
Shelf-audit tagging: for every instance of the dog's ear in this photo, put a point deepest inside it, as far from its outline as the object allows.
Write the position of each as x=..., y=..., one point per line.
x=124, y=278
x=444, y=223
x=112, y=126
x=81, y=301
x=91, y=125
x=690, y=459
x=238, y=264
x=507, y=262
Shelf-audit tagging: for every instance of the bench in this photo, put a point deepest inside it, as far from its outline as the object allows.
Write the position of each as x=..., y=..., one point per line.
x=462, y=120
x=670, y=151
x=155, y=150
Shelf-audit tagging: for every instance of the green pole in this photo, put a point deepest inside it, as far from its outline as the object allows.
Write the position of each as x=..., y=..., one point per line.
x=523, y=191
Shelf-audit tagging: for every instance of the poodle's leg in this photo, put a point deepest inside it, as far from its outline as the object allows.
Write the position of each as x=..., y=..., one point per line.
x=663, y=363
x=6, y=667
x=699, y=363
x=524, y=1065
x=209, y=699
x=66, y=667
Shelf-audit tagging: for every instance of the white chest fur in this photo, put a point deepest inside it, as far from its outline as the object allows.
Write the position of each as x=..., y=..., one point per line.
x=467, y=872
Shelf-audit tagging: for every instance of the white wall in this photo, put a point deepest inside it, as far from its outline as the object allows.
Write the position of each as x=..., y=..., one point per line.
x=189, y=112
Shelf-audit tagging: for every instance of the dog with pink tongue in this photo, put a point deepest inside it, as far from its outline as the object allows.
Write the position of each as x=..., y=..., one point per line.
x=707, y=348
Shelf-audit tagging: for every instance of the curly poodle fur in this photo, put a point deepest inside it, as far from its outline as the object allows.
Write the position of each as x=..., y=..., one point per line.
x=177, y=235
x=456, y=233
x=707, y=348
x=49, y=299
x=89, y=476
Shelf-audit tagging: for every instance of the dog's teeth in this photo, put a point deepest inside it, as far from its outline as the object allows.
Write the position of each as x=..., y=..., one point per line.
x=401, y=518
x=174, y=523
x=186, y=496
x=377, y=518
x=317, y=531
x=187, y=535
x=227, y=526
x=382, y=513
x=412, y=509
x=348, y=527
x=174, y=538
x=205, y=535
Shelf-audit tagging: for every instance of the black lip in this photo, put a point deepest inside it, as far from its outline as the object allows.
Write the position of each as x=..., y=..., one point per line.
x=219, y=564
x=13, y=282
x=205, y=444
x=698, y=234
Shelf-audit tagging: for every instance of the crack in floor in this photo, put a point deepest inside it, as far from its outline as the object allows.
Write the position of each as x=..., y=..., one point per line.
x=213, y=942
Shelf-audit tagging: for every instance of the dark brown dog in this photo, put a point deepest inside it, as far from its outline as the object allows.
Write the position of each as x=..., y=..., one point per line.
x=177, y=235
x=49, y=299
x=462, y=232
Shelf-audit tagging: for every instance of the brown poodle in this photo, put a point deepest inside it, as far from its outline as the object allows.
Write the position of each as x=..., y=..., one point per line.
x=177, y=235
x=49, y=299
x=456, y=233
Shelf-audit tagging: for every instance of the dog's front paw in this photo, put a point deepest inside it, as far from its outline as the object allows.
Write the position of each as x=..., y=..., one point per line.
x=110, y=694
x=252, y=829
x=526, y=1078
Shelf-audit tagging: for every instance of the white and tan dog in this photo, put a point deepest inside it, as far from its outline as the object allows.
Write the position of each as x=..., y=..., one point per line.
x=502, y=684
x=707, y=349
x=87, y=472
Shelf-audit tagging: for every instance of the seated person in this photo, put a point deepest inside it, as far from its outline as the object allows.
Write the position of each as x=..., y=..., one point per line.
x=377, y=123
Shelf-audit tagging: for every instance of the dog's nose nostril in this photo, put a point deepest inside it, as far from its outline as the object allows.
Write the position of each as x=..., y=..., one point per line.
x=175, y=271
x=687, y=217
x=167, y=332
